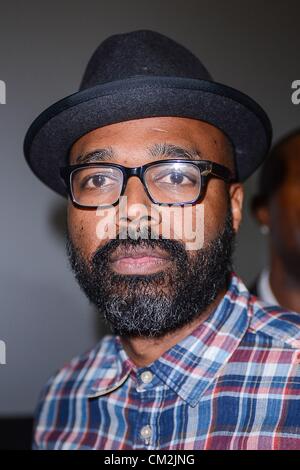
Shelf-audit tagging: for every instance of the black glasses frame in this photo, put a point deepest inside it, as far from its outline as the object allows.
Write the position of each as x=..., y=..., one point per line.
x=208, y=169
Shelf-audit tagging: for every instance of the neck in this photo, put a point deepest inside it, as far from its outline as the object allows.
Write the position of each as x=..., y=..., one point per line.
x=143, y=351
x=285, y=287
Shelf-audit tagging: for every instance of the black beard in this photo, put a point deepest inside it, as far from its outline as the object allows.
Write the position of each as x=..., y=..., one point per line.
x=156, y=304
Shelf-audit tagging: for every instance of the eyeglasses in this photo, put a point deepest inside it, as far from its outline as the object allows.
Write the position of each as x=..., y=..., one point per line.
x=170, y=182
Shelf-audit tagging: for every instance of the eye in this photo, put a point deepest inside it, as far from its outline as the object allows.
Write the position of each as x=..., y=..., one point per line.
x=175, y=178
x=98, y=181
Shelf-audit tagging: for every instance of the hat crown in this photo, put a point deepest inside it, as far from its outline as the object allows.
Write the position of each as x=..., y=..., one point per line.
x=170, y=81
x=142, y=52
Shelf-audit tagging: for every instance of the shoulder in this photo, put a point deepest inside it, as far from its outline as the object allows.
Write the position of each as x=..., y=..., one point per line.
x=82, y=370
x=70, y=383
x=275, y=323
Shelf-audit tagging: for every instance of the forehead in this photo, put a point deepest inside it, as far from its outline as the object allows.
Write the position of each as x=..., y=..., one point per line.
x=136, y=135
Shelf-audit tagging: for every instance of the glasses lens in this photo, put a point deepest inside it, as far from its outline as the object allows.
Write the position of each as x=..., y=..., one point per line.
x=171, y=183
x=97, y=186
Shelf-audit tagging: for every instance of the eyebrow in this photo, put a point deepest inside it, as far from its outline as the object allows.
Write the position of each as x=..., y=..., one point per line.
x=158, y=150
x=105, y=154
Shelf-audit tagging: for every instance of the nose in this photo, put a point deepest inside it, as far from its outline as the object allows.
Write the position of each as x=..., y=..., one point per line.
x=139, y=206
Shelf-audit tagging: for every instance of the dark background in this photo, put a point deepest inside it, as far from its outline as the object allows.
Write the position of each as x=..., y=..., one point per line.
x=44, y=47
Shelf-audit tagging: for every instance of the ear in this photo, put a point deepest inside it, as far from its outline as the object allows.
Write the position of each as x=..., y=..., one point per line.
x=236, y=192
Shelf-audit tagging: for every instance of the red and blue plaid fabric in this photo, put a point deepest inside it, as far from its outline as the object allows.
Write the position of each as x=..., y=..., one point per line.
x=234, y=383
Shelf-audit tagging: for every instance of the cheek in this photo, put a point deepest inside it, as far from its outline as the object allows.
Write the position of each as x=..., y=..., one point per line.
x=216, y=207
x=285, y=217
x=185, y=224
x=279, y=212
x=195, y=225
x=82, y=226
x=195, y=230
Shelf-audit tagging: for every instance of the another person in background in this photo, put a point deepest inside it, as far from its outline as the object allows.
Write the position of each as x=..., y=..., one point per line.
x=276, y=207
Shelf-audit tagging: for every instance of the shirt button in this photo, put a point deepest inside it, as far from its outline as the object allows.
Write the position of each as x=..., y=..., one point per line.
x=146, y=377
x=146, y=433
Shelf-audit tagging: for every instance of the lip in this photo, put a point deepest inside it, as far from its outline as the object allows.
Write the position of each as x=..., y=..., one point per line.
x=139, y=260
x=138, y=252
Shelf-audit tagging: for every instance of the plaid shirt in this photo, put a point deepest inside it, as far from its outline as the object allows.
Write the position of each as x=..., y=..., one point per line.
x=234, y=383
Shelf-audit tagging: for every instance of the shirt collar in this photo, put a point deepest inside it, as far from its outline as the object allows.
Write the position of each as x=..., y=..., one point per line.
x=192, y=364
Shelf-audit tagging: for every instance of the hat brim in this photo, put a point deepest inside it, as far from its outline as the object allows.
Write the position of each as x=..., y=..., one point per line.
x=50, y=137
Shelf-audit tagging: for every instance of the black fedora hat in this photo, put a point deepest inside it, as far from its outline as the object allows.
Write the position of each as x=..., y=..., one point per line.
x=145, y=74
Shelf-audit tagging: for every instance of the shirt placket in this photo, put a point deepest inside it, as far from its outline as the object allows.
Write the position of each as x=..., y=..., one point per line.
x=146, y=391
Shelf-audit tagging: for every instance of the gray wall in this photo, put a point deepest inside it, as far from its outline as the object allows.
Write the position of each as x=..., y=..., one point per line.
x=44, y=47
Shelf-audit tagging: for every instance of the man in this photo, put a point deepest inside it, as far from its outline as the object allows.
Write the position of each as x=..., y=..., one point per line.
x=194, y=361
x=276, y=208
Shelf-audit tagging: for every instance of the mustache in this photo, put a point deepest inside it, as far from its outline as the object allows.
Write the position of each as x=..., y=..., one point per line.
x=143, y=238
